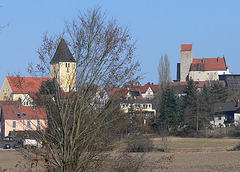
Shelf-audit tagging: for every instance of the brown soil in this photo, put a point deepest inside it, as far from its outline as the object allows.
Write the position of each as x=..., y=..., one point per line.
x=193, y=161
x=204, y=159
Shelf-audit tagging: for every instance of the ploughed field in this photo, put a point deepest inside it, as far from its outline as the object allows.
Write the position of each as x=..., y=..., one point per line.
x=186, y=154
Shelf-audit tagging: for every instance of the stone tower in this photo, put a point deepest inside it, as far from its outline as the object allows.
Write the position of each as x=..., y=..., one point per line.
x=186, y=58
x=63, y=67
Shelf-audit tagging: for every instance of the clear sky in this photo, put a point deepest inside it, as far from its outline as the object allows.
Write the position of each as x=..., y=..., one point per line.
x=158, y=26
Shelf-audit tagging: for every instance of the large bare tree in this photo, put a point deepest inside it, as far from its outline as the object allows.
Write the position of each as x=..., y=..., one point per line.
x=79, y=131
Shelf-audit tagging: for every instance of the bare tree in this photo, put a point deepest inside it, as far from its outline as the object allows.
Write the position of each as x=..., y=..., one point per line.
x=164, y=79
x=2, y=27
x=164, y=70
x=79, y=132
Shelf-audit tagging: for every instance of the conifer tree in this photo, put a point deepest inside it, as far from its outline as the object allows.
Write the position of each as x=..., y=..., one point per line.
x=168, y=115
x=197, y=110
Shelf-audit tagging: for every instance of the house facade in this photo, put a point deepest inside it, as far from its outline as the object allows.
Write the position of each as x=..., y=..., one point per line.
x=226, y=114
x=21, y=89
x=22, y=118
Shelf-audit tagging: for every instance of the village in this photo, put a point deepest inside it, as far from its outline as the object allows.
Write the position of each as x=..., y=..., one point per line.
x=98, y=97
x=19, y=112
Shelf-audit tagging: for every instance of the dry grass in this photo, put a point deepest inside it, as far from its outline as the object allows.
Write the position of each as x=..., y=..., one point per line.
x=186, y=154
x=176, y=143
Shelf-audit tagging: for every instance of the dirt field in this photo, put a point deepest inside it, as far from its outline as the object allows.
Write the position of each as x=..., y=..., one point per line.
x=186, y=154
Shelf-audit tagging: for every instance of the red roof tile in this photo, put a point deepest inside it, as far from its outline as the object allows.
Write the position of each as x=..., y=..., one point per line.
x=10, y=112
x=25, y=84
x=154, y=88
x=117, y=93
x=9, y=103
x=186, y=47
x=207, y=64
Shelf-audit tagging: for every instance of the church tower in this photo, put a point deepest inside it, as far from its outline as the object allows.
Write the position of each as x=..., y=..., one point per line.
x=186, y=58
x=63, y=67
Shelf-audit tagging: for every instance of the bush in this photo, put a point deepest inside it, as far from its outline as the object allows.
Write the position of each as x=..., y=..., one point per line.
x=140, y=145
x=237, y=148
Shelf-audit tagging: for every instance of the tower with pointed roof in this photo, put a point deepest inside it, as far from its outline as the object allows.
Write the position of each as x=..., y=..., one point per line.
x=63, y=67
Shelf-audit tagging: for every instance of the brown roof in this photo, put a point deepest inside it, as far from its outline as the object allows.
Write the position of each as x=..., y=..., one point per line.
x=25, y=85
x=11, y=112
x=207, y=64
x=186, y=47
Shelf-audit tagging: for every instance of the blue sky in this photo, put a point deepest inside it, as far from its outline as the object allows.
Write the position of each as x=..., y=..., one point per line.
x=158, y=27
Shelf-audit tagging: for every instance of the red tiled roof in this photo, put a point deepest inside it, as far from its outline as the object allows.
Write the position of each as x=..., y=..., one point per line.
x=144, y=88
x=25, y=84
x=9, y=103
x=207, y=64
x=199, y=84
x=117, y=93
x=186, y=47
x=10, y=112
x=154, y=88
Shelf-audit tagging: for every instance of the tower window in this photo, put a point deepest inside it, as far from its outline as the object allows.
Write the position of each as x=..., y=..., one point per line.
x=67, y=65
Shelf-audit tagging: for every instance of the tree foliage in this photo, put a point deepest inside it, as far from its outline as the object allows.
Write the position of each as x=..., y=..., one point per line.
x=168, y=114
x=217, y=92
x=197, y=112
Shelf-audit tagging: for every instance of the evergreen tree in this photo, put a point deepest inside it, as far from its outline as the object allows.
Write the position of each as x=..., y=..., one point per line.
x=168, y=115
x=217, y=92
x=197, y=110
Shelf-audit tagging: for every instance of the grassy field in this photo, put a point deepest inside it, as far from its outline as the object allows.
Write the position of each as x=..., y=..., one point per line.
x=197, y=143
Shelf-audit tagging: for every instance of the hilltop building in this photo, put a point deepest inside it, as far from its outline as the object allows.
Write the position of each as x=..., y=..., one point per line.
x=199, y=69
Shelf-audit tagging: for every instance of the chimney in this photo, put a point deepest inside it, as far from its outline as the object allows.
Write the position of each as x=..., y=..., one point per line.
x=218, y=60
x=148, y=83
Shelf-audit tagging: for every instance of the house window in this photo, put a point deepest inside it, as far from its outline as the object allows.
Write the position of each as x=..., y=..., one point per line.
x=136, y=105
x=38, y=124
x=28, y=124
x=14, y=124
x=68, y=71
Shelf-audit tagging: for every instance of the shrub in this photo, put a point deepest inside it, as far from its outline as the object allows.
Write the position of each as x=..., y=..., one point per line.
x=140, y=145
x=237, y=148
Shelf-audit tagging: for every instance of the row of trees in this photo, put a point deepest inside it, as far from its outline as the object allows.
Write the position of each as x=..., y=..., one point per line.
x=194, y=109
